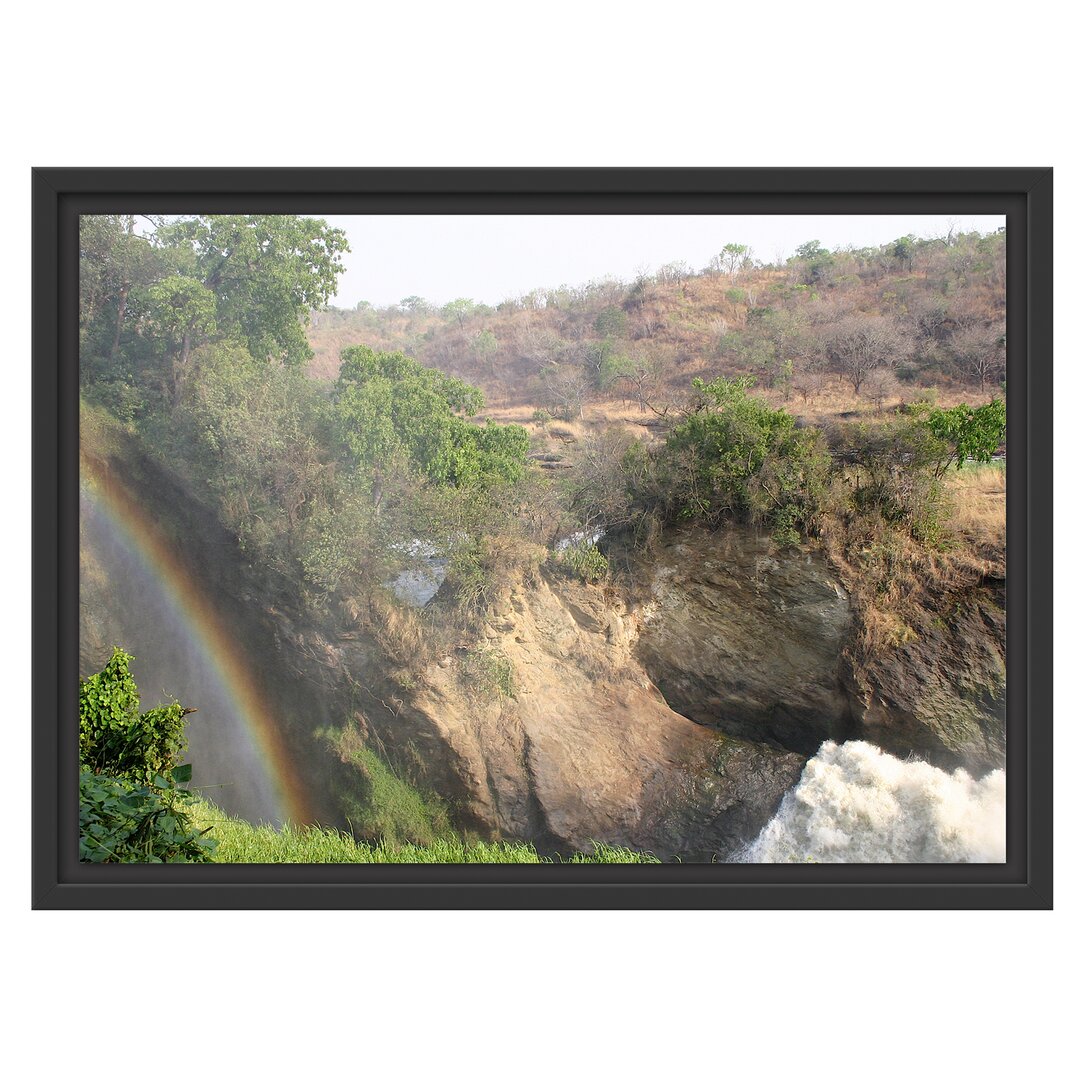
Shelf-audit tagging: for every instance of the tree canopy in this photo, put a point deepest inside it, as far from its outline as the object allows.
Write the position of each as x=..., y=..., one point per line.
x=392, y=408
x=267, y=272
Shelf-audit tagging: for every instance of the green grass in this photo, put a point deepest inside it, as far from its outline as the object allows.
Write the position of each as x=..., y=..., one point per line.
x=379, y=804
x=240, y=842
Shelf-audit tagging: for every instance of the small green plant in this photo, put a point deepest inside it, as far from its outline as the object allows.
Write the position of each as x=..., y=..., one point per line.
x=121, y=822
x=379, y=802
x=489, y=670
x=585, y=561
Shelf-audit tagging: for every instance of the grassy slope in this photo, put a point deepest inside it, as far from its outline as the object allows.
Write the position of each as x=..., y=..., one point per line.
x=241, y=842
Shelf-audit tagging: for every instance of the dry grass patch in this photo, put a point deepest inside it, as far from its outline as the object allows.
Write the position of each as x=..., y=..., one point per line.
x=978, y=508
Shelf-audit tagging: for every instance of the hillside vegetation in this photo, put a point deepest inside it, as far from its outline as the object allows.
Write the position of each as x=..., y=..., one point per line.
x=838, y=402
x=850, y=327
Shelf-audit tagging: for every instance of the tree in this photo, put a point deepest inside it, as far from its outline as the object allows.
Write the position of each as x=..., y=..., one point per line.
x=980, y=352
x=903, y=251
x=597, y=488
x=390, y=408
x=184, y=313
x=611, y=322
x=879, y=385
x=735, y=456
x=673, y=273
x=459, y=309
x=639, y=370
x=565, y=387
x=814, y=261
x=970, y=434
x=860, y=342
x=257, y=436
x=486, y=346
x=266, y=272
x=415, y=305
x=114, y=260
x=730, y=259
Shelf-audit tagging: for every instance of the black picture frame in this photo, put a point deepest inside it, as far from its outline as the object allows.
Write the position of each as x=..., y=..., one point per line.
x=1024, y=196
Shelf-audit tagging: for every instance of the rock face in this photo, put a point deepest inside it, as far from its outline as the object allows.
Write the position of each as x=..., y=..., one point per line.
x=675, y=725
x=761, y=644
x=941, y=695
x=586, y=747
x=748, y=639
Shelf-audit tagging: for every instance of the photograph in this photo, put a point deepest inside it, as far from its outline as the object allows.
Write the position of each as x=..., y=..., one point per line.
x=542, y=538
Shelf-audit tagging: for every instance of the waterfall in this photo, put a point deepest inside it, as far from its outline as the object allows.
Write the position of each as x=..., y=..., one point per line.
x=856, y=804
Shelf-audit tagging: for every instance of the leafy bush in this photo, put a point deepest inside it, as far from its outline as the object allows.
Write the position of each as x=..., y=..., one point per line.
x=114, y=737
x=585, y=561
x=892, y=474
x=121, y=822
x=737, y=457
x=971, y=434
x=130, y=804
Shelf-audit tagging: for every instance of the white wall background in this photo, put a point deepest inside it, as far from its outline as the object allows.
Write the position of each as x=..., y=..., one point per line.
x=578, y=994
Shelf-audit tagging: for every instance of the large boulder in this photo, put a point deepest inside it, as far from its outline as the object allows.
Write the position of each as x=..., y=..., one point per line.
x=747, y=638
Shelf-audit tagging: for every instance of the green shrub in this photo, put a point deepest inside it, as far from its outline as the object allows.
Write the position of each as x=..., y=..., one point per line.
x=734, y=456
x=114, y=737
x=123, y=822
x=894, y=471
x=585, y=561
x=131, y=808
x=971, y=434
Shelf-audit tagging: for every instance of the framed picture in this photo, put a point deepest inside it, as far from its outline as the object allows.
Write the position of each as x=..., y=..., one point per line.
x=542, y=538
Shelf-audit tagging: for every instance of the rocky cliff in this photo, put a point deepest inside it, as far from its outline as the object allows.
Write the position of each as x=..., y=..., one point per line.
x=673, y=721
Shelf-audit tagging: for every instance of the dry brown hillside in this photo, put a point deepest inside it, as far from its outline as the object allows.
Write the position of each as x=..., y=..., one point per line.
x=827, y=334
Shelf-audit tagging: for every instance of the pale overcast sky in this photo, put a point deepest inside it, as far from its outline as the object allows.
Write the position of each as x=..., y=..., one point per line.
x=489, y=258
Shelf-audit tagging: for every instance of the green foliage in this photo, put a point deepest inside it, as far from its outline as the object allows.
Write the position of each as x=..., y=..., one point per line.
x=971, y=434
x=485, y=343
x=130, y=806
x=815, y=262
x=896, y=467
x=459, y=309
x=894, y=470
x=611, y=321
x=736, y=457
x=391, y=407
x=266, y=272
x=585, y=561
x=114, y=738
x=124, y=822
x=259, y=437
x=903, y=250
x=180, y=307
x=389, y=809
x=477, y=566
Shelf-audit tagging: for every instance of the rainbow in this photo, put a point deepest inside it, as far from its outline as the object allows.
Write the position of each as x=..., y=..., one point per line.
x=197, y=618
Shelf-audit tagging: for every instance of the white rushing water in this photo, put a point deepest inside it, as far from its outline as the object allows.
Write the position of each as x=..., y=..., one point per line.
x=856, y=804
